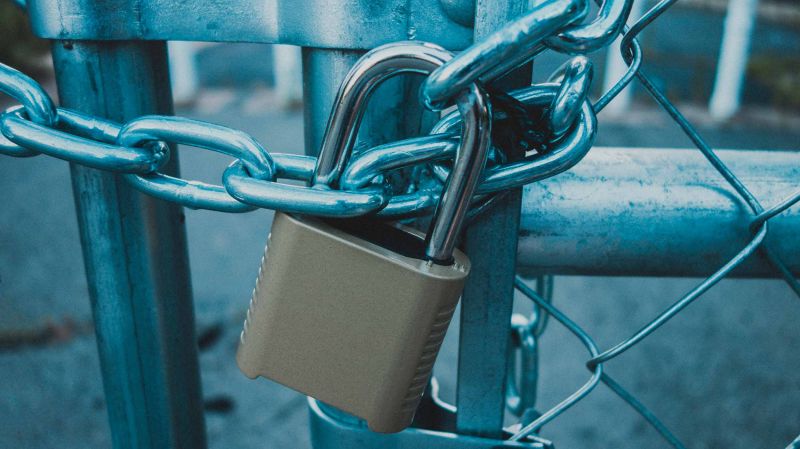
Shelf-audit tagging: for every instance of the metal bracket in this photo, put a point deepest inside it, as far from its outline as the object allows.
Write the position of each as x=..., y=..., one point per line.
x=341, y=24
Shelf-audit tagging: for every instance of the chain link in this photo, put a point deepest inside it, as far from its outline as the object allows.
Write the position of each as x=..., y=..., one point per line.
x=501, y=51
x=150, y=130
x=34, y=100
x=81, y=139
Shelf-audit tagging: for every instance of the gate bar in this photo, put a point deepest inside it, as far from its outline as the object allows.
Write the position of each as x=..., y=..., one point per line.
x=135, y=255
x=351, y=24
x=657, y=212
x=486, y=304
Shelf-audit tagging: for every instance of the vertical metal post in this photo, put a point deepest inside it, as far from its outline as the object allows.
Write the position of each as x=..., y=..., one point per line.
x=393, y=112
x=323, y=72
x=733, y=55
x=486, y=304
x=135, y=255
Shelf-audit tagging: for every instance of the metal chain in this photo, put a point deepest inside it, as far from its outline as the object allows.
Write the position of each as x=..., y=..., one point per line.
x=36, y=127
x=139, y=148
x=525, y=333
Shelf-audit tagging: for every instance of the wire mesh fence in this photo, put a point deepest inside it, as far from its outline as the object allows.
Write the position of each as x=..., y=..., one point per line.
x=541, y=296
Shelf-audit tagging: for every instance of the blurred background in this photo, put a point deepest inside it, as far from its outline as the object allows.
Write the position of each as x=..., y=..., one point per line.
x=724, y=373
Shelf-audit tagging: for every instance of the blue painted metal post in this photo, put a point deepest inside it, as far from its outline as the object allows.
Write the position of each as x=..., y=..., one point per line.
x=134, y=250
x=394, y=112
x=323, y=71
x=733, y=55
x=486, y=304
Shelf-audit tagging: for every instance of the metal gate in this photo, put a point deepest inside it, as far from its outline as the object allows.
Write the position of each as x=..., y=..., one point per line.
x=700, y=219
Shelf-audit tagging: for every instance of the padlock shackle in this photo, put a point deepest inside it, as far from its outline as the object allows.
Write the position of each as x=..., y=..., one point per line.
x=351, y=100
x=348, y=108
x=464, y=177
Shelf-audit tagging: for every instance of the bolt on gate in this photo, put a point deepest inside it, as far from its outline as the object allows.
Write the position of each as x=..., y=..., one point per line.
x=110, y=60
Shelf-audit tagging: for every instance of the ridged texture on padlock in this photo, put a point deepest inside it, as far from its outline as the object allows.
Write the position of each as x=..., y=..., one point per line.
x=348, y=322
x=427, y=359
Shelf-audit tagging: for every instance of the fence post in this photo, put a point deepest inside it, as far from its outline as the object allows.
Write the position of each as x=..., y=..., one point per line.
x=135, y=255
x=733, y=55
x=323, y=71
x=486, y=304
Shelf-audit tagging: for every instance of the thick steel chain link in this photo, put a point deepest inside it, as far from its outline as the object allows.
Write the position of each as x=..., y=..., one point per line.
x=139, y=148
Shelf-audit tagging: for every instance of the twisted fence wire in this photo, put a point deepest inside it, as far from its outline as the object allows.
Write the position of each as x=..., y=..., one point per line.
x=587, y=341
x=632, y=54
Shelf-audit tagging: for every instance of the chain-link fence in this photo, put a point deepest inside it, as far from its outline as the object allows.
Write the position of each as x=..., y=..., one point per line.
x=758, y=224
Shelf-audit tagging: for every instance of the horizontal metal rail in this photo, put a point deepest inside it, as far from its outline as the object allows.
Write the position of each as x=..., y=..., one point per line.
x=657, y=212
x=352, y=24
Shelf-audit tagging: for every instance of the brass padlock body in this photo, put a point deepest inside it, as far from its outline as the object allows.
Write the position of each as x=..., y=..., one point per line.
x=348, y=321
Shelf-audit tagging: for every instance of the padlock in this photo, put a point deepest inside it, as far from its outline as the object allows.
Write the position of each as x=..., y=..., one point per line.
x=353, y=312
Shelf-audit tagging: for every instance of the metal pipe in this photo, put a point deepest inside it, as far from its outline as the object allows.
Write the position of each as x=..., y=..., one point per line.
x=486, y=304
x=370, y=71
x=657, y=212
x=733, y=55
x=323, y=72
x=352, y=24
x=134, y=250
